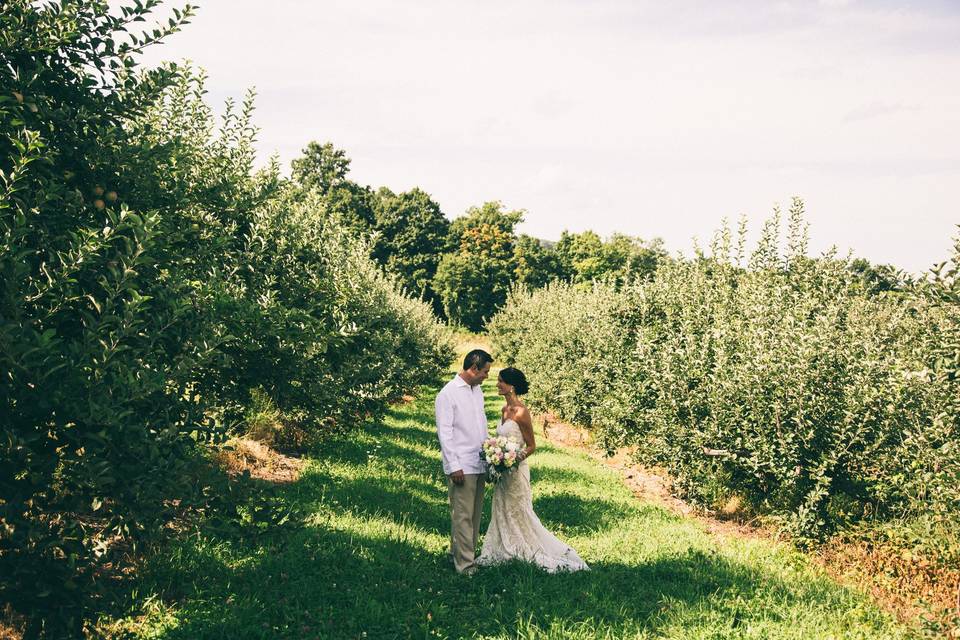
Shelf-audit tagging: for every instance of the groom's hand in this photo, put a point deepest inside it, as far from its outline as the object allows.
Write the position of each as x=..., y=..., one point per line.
x=457, y=477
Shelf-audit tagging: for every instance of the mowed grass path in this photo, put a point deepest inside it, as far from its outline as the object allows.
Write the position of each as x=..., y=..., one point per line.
x=362, y=555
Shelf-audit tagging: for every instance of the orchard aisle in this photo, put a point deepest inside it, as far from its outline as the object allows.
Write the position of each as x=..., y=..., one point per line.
x=357, y=550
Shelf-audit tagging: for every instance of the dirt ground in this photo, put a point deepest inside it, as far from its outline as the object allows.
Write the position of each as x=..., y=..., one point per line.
x=259, y=460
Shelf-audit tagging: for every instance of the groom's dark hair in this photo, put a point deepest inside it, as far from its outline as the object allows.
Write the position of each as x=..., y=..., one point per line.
x=476, y=358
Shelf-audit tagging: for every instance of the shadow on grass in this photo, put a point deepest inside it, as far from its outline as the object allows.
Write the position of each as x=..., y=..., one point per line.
x=329, y=583
x=424, y=504
x=409, y=500
x=551, y=474
x=303, y=580
x=576, y=516
x=350, y=576
x=414, y=434
x=382, y=442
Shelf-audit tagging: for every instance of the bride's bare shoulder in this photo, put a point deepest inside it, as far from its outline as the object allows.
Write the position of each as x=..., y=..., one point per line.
x=517, y=413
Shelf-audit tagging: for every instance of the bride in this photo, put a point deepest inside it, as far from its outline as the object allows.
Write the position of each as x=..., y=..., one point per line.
x=515, y=531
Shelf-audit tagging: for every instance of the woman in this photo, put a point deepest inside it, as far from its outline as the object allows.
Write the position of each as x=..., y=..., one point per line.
x=515, y=531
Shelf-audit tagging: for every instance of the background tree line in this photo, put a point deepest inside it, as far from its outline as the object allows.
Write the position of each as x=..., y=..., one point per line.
x=466, y=267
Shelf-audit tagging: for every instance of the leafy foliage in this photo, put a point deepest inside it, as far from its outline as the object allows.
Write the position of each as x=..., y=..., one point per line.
x=408, y=232
x=535, y=264
x=879, y=278
x=322, y=170
x=95, y=354
x=821, y=402
x=410, y=237
x=584, y=257
x=464, y=268
x=150, y=280
x=322, y=167
x=473, y=281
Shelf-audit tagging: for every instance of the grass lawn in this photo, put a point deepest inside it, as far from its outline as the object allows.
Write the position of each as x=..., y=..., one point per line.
x=356, y=549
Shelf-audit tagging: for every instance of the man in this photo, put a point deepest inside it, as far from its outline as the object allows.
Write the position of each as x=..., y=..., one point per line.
x=462, y=428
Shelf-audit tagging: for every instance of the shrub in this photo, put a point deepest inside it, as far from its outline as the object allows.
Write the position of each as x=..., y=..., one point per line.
x=95, y=353
x=822, y=403
x=150, y=279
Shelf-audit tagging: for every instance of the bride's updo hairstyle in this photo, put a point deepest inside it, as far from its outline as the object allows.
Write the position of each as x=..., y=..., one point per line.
x=516, y=379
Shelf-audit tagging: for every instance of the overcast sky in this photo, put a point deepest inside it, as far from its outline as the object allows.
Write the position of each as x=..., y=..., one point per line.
x=648, y=118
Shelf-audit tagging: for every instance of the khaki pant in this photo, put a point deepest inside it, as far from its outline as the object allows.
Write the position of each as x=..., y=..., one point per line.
x=466, y=507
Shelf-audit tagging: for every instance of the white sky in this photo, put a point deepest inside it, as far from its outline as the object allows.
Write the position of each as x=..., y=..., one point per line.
x=649, y=118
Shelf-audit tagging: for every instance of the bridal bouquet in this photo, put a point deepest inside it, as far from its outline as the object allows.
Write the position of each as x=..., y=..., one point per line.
x=502, y=455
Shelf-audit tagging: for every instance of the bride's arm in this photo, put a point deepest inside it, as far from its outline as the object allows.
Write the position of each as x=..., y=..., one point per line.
x=522, y=418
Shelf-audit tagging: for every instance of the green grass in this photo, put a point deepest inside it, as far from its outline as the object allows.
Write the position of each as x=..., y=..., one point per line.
x=357, y=549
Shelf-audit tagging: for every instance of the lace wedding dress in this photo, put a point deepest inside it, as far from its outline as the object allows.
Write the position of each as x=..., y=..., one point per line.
x=515, y=531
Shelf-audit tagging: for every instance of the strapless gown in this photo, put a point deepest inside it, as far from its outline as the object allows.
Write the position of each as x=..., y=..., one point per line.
x=515, y=531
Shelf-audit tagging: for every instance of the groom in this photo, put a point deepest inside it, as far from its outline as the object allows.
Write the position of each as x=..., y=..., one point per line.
x=462, y=428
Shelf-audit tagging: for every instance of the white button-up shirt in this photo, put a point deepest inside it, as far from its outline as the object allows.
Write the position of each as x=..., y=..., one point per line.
x=461, y=426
